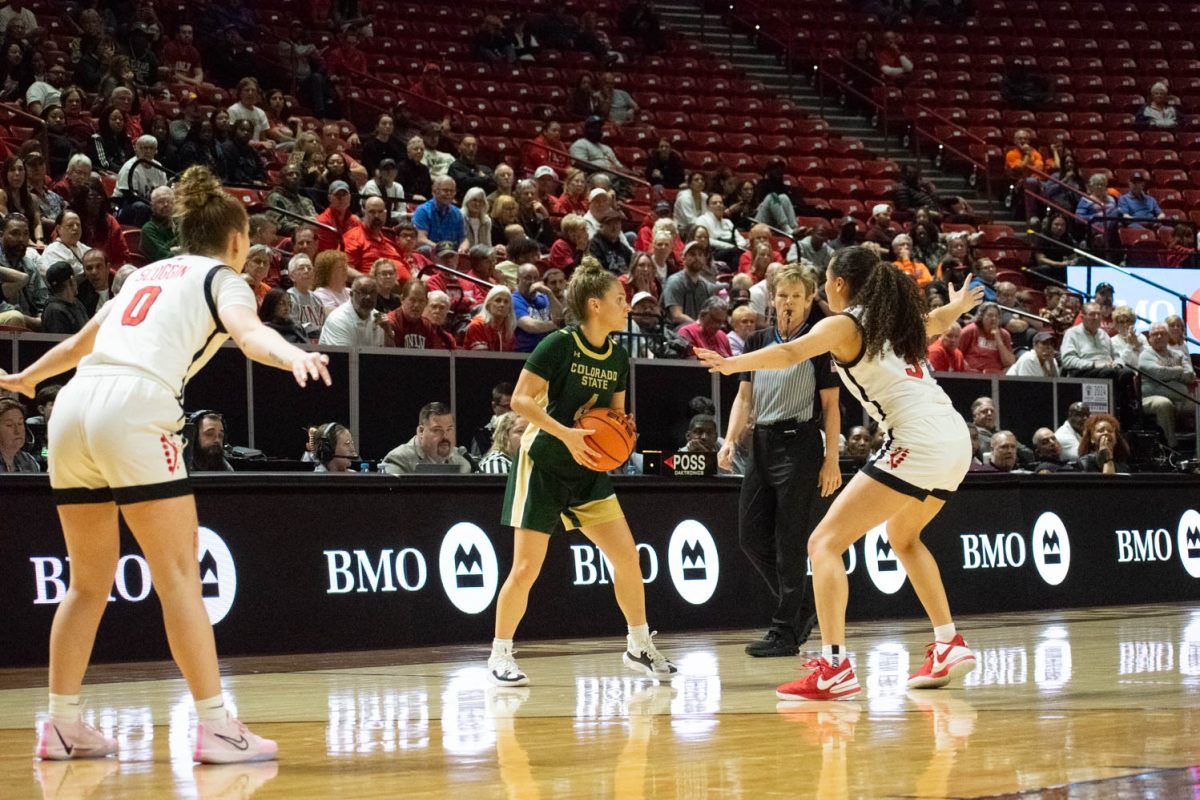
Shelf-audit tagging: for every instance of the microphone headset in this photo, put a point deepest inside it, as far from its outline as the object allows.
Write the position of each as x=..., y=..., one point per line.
x=325, y=444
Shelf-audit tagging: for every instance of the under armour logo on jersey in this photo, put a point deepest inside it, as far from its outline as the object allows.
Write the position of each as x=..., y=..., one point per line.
x=896, y=457
x=170, y=453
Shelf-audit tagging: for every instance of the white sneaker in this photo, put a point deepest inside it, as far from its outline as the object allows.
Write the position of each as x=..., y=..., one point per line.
x=231, y=742
x=646, y=659
x=503, y=670
x=58, y=741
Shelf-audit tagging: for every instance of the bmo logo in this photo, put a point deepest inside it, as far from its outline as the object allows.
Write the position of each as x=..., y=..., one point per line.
x=467, y=563
x=994, y=551
x=885, y=569
x=1051, y=548
x=1188, y=542
x=693, y=562
x=132, y=582
x=1134, y=546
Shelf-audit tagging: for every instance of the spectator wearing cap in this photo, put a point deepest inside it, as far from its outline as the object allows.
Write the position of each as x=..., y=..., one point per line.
x=537, y=311
x=609, y=246
x=759, y=234
x=63, y=313
x=366, y=243
x=706, y=331
x=685, y=292
x=384, y=185
x=645, y=234
x=287, y=197
x=337, y=216
x=664, y=166
x=1137, y=206
x=1039, y=362
x=159, y=237
x=437, y=220
x=600, y=202
x=944, y=355
x=881, y=230
x=572, y=243
x=466, y=170
x=591, y=149
x=546, y=180
x=1158, y=113
x=481, y=262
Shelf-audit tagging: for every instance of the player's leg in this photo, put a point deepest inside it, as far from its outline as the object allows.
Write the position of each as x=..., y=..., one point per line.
x=167, y=530
x=93, y=545
x=529, y=552
x=862, y=505
x=615, y=541
x=948, y=657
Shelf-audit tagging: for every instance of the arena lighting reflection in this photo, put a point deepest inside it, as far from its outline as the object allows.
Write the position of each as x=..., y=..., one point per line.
x=377, y=721
x=1189, y=648
x=466, y=728
x=887, y=671
x=697, y=698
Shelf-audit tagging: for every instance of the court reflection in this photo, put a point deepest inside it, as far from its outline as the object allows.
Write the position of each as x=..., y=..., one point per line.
x=377, y=720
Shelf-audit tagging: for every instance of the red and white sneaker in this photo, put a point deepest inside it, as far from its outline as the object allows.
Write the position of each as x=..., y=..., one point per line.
x=231, y=742
x=59, y=742
x=824, y=682
x=944, y=661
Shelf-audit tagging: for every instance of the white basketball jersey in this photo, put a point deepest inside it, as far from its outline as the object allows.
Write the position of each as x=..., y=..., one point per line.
x=891, y=390
x=164, y=322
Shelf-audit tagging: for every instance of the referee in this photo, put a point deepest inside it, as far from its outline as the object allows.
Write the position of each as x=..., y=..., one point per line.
x=789, y=467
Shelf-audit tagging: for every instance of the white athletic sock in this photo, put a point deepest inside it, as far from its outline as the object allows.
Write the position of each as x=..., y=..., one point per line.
x=501, y=647
x=832, y=653
x=64, y=708
x=944, y=633
x=211, y=710
x=639, y=635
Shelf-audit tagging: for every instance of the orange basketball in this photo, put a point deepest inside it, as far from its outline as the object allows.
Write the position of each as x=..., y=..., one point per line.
x=613, y=439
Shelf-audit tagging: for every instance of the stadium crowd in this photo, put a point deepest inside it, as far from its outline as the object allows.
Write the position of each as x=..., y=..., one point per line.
x=414, y=236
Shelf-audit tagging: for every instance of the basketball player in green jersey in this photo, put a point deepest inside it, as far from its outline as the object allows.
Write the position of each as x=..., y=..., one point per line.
x=555, y=484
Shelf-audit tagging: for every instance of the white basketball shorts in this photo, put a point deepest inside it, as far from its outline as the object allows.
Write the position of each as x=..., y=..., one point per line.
x=928, y=456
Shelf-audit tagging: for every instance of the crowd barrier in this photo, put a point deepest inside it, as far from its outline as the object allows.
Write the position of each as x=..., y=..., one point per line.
x=379, y=391
x=299, y=563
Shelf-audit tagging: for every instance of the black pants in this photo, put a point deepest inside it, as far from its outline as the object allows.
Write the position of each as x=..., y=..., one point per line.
x=777, y=510
x=1127, y=402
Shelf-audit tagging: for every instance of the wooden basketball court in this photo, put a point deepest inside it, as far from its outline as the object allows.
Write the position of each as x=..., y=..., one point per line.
x=1090, y=703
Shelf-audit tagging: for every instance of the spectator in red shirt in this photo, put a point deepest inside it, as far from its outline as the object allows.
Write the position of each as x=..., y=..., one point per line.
x=181, y=58
x=547, y=182
x=100, y=228
x=429, y=85
x=412, y=330
x=706, y=331
x=944, y=355
x=437, y=314
x=494, y=328
x=893, y=63
x=573, y=200
x=481, y=264
x=571, y=246
x=337, y=216
x=645, y=236
x=366, y=243
x=985, y=345
x=548, y=149
x=758, y=233
x=343, y=61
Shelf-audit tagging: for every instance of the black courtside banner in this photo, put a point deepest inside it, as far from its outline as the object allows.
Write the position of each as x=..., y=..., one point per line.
x=299, y=563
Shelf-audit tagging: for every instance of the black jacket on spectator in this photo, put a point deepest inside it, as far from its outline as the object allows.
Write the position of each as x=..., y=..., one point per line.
x=242, y=165
x=467, y=176
x=666, y=172
x=414, y=177
x=195, y=152
x=61, y=149
x=374, y=151
x=539, y=229
x=89, y=298
x=89, y=71
x=109, y=153
x=290, y=331
x=614, y=256
x=63, y=317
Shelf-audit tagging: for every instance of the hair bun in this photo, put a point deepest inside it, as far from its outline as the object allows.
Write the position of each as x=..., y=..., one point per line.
x=195, y=189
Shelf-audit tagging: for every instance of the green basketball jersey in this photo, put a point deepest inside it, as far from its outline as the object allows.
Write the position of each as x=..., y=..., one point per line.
x=579, y=378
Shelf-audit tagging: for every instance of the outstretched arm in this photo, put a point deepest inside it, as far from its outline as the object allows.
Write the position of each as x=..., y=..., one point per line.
x=265, y=346
x=838, y=335
x=961, y=301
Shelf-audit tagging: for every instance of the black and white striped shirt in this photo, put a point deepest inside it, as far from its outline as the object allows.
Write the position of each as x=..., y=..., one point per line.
x=495, y=463
x=793, y=393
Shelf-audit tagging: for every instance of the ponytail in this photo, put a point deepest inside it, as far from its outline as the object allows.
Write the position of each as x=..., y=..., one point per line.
x=892, y=308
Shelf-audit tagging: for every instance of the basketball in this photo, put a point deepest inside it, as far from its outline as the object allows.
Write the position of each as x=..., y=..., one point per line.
x=613, y=439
